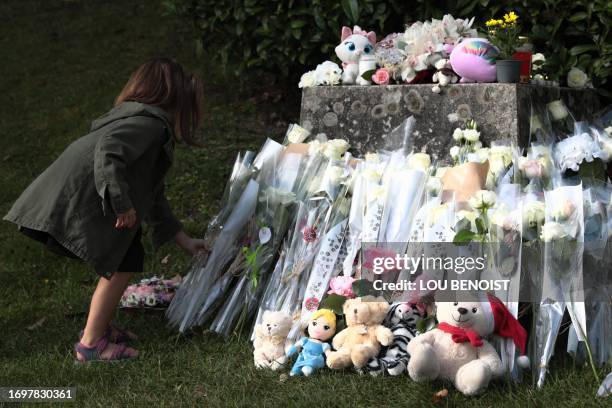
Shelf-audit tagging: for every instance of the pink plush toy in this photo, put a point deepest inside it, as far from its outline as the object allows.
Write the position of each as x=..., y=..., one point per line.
x=474, y=60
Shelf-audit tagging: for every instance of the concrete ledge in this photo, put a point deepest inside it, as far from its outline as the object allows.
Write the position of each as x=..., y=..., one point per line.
x=365, y=114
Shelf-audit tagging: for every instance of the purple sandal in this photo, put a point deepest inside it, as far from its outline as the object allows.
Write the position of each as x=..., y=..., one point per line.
x=122, y=335
x=94, y=353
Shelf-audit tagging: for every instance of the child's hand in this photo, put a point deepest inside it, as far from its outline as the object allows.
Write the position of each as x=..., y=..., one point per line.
x=126, y=220
x=191, y=245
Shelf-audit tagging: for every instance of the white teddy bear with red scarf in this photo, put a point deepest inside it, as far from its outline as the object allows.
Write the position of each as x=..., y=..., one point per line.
x=457, y=349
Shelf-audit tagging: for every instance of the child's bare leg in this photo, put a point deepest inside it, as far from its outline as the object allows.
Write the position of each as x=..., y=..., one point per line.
x=102, y=307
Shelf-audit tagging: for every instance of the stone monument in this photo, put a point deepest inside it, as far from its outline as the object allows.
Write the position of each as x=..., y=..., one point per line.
x=364, y=115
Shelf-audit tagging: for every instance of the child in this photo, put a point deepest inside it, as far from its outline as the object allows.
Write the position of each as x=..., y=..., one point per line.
x=91, y=201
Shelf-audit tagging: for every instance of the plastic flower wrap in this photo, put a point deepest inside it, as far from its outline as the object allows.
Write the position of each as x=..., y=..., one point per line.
x=562, y=285
x=268, y=227
x=505, y=243
x=224, y=229
x=597, y=279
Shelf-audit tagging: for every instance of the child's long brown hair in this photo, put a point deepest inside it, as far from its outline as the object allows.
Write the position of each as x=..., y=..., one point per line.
x=164, y=83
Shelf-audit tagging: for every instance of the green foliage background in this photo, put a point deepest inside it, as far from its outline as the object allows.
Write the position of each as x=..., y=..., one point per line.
x=287, y=36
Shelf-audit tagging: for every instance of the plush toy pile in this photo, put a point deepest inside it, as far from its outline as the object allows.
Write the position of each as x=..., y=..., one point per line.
x=439, y=52
x=303, y=223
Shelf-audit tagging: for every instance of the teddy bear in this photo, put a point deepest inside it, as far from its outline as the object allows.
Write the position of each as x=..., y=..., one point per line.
x=270, y=338
x=364, y=334
x=457, y=350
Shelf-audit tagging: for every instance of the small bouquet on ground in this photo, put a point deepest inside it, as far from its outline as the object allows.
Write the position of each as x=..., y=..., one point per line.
x=150, y=293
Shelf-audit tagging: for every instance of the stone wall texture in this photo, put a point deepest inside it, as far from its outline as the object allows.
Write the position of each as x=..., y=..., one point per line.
x=364, y=115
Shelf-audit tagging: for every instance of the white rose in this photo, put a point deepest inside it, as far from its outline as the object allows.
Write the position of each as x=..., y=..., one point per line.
x=608, y=130
x=552, y=231
x=482, y=199
x=557, y=109
x=419, y=161
x=454, y=152
x=576, y=78
x=533, y=214
x=308, y=79
x=458, y=134
x=538, y=57
x=297, y=134
x=477, y=145
x=467, y=215
x=471, y=135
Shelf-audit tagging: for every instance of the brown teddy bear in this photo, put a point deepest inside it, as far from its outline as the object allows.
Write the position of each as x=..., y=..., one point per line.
x=364, y=334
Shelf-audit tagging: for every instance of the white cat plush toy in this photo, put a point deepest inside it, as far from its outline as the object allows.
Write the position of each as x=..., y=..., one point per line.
x=356, y=51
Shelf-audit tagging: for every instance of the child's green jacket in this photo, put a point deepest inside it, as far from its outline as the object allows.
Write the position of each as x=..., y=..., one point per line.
x=119, y=165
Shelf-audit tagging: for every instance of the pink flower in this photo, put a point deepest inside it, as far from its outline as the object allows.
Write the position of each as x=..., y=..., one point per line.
x=381, y=77
x=311, y=304
x=532, y=168
x=310, y=234
x=342, y=285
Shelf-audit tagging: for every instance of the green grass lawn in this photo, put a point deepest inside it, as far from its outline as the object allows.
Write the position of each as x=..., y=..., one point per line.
x=63, y=62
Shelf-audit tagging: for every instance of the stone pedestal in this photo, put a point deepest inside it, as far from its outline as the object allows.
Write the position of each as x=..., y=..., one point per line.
x=365, y=114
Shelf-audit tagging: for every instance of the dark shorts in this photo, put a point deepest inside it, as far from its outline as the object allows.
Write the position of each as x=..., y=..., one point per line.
x=133, y=261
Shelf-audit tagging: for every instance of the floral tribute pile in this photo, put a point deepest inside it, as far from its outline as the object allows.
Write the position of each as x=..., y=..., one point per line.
x=150, y=293
x=439, y=52
x=286, y=246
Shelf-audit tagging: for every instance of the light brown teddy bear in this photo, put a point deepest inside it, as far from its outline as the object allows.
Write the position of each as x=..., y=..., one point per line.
x=364, y=335
x=270, y=338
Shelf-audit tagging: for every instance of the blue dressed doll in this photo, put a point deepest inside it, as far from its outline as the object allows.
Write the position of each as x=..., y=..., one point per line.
x=321, y=327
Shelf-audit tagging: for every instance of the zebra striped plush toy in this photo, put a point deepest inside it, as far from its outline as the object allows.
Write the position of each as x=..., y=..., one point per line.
x=402, y=319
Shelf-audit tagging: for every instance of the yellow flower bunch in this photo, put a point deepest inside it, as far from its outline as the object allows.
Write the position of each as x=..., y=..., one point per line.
x=509, y=21
x=510, y=18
